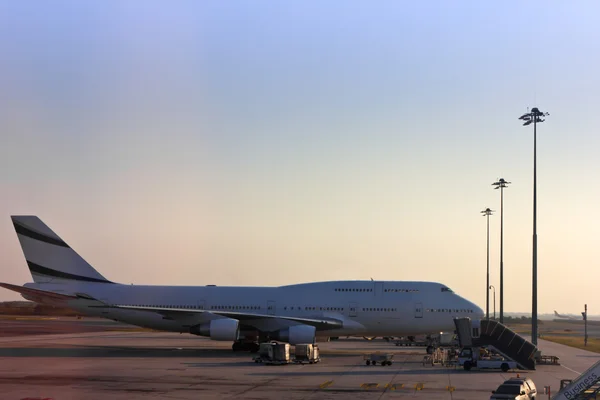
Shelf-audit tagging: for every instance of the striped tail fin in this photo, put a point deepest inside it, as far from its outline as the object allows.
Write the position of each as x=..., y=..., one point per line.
x=49, y=258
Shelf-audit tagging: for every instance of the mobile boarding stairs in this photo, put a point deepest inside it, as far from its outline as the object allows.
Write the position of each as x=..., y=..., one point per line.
x=492, y=333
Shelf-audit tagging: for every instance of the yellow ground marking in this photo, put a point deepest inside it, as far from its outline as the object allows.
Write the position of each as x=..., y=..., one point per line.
x=419, y=386
x=369, y=385
x=394, y=386
x=325, y=385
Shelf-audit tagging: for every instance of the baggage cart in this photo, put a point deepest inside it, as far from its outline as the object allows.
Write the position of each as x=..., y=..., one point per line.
x=307, y=353
x=378, y=358
x=273, y=354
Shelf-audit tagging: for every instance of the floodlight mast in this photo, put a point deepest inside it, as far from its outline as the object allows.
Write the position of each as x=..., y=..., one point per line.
x=535, y=116
x=501, y=184
x=486, y=213
x=492, y=287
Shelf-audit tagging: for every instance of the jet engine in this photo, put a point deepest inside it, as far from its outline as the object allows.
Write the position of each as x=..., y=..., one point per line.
x=297, y=334
x=226, y=329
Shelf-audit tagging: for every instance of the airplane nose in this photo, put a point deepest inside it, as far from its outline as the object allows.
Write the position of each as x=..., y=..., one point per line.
x=479, y=312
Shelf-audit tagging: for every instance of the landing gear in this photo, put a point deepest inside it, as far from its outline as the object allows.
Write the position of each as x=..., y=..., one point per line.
x=252, y=347
x=430, y=349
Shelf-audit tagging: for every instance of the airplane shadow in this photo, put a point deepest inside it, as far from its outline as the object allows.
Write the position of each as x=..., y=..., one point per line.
x=91, y=351
x=115, y=352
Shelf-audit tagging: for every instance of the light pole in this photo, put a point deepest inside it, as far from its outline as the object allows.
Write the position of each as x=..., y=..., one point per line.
x=501, y=184
x=585, y=335
x=492, y=287
x=486, y=213
x=534, y=116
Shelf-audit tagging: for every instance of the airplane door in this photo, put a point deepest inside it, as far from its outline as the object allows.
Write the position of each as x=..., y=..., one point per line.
x=378, y=288
x=418, y=310
x=200, y=305
x=352, y=310
x=271, y=307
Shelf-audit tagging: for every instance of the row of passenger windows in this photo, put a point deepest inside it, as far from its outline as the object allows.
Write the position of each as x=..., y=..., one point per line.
x=166, y=306
x=315, y=308
x=448, y=310
x=339, y=309
x=370, y=290
x=196, y=307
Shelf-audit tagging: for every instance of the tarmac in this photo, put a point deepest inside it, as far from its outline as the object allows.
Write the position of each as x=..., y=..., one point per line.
x=155, y=365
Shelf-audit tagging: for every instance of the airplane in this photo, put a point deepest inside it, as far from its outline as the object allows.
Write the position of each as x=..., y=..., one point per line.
x=246, y=316
x=565, y=316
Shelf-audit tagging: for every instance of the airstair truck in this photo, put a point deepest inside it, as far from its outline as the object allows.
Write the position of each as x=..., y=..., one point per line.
x=497, y=337
x=473, y=357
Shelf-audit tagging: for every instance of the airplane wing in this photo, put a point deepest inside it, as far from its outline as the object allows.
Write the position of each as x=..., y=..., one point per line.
x=32, y=294
x=44, y=296
x=245, y=318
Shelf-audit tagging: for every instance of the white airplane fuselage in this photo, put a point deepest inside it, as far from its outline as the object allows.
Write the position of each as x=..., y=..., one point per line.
x=374, y=308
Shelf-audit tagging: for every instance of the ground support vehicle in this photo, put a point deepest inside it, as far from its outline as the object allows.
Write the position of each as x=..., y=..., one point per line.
x=307, y=353
x=273, y=353
x=482, y=358
x=378, y=358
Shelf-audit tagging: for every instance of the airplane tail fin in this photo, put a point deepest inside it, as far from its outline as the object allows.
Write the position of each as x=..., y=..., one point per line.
x=49, y=258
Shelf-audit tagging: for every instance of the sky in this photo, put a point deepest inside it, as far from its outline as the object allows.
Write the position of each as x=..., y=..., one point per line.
x=272, y=143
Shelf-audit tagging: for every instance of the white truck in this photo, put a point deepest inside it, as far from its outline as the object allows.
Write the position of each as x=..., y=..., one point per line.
x=475, y=357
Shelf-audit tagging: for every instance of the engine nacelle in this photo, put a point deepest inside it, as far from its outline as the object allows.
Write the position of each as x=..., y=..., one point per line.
x=226, y=329
x=297, y=334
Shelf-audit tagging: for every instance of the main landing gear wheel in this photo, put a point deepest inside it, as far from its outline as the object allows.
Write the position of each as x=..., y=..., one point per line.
x=430, y=349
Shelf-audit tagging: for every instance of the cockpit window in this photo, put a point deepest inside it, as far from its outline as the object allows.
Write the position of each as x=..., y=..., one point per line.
x=445, y=289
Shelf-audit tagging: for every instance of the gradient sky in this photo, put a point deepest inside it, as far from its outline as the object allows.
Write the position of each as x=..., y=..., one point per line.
x=270, y=143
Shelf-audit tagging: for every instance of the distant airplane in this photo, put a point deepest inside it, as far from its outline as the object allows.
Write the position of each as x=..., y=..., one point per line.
x=565, y=316
x=245, y=316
